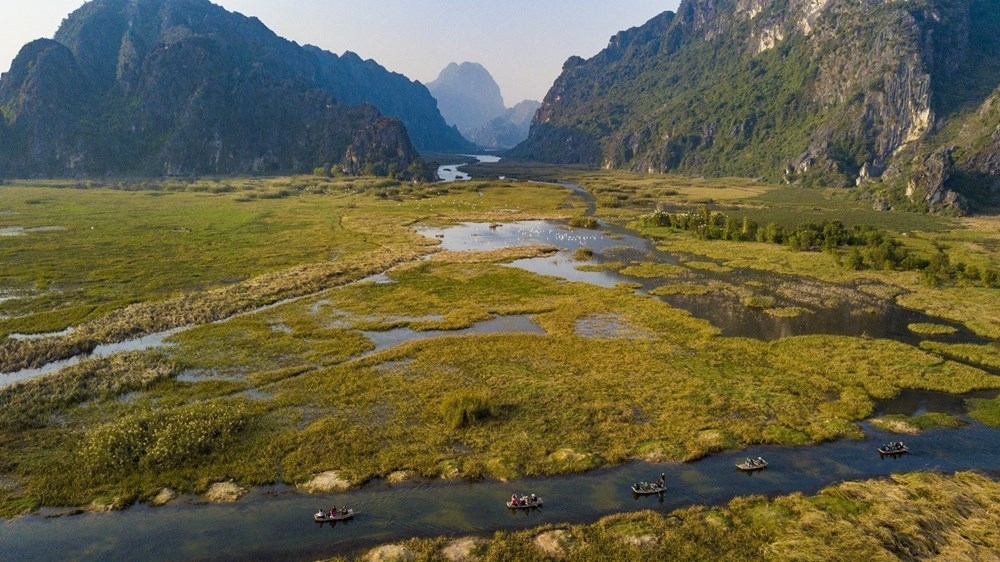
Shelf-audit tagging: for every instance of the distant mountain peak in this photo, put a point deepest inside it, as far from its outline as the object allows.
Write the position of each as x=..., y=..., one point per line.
x=470, y=99
x=467, y=95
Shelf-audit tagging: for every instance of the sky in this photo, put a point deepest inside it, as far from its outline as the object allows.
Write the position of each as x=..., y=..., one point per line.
x=522, y=43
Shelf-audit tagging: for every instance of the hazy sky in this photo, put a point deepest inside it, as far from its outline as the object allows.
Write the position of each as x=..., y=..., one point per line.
x=523, y=43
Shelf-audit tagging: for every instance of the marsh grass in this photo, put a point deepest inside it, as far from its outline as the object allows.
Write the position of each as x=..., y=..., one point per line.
x=985, y=411
x=913, y=425
x=564, y=402
x=987, y=355
x=467, y=408
x=928, y=329
x=905, y=517
x=182, y=241
x=557, y=402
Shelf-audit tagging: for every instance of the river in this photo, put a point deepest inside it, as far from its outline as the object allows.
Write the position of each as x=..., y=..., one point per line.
x=274, y=523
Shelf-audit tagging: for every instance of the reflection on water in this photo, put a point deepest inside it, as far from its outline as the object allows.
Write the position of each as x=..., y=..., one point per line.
x=146, y=342
x=515, y=324
x=824, y=309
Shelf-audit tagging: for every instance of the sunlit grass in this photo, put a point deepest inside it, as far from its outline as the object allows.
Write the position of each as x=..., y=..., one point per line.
x=293, y=390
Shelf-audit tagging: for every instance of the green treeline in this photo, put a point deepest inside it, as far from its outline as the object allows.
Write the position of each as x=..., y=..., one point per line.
x=868, y=247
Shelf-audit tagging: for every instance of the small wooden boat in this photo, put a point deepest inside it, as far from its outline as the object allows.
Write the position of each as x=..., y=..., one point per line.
x=525, y=502
x=648, y=488
x=892, y=449
x=751, y=465
x=332, y=516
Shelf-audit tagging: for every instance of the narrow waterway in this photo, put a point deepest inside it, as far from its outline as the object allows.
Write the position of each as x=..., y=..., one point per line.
x=275, y=523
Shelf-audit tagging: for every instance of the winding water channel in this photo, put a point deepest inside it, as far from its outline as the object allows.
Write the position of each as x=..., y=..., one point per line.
x=275, y=522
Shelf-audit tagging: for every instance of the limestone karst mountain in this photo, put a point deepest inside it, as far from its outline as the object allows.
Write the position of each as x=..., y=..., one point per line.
x=470, y=99
x=183, y=87
x=901, y=96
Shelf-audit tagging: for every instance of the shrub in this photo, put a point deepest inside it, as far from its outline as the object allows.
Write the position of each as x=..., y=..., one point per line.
x=583, y=222
x=463, y=409
x=170, y=438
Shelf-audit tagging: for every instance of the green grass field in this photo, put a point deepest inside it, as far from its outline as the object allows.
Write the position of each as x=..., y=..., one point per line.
x=293, y=389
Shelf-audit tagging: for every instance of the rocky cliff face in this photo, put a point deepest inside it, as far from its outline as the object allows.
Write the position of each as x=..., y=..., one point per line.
x=809, y=91
x=176, y=87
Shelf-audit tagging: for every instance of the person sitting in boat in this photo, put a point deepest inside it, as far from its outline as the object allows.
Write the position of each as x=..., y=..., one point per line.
x=320, y=514
x=760, y=460
x=513, y=499
x=534, y=498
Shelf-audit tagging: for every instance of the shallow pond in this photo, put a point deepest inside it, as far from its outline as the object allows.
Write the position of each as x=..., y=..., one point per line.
x=825, y=309
x=274, y=523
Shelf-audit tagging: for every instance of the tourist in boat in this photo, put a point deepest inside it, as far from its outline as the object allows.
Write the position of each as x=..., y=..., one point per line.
x=513, y=499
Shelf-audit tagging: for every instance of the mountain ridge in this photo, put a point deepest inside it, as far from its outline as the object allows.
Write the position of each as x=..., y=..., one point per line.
x=825, y=92
x=185, y=87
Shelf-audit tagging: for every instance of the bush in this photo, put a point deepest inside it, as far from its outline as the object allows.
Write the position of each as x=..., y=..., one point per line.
x=464, y=409
x=583, y=222
x=164, y=439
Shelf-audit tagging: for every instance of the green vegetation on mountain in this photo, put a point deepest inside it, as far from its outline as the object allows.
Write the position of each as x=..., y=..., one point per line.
x=183, y=87
x=897, y=96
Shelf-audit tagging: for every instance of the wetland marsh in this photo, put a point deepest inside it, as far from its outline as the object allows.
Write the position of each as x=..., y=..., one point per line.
x=582, y=349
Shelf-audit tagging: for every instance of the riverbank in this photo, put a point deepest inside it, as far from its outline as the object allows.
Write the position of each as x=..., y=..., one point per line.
x=926, y=516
